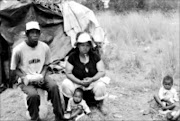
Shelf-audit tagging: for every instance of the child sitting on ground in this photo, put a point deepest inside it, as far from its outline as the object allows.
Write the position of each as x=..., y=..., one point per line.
x=77, y=106
x=167, y=97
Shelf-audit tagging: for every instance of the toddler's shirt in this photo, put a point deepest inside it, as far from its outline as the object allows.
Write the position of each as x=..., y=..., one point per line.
x=72, y=105
x=171, y=94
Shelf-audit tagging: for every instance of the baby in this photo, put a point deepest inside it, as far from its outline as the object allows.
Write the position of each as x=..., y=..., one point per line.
x=167, y=97
x=77, y=106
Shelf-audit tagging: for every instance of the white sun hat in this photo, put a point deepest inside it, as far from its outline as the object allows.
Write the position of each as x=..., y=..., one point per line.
x=32, y=25
x=83, y=38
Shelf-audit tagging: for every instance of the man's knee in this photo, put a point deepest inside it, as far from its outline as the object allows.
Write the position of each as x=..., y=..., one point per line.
x=33, y=95
x=50, y=82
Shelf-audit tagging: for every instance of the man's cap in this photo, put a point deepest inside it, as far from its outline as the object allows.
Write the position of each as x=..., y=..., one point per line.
x=32, y=25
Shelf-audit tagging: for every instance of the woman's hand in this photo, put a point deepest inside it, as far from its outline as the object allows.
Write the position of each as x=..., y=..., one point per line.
x=84, y=83
x=87, y=81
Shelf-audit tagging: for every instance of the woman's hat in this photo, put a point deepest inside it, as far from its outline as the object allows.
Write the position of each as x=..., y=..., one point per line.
x=83, y=38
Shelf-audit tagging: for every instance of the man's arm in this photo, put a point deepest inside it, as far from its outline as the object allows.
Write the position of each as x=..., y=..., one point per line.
x=44, y=70
x=47, y=61
x=15, y=60
x=20, y=74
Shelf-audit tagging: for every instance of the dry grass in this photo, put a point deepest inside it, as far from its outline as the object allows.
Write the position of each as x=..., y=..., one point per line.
x=142, y=41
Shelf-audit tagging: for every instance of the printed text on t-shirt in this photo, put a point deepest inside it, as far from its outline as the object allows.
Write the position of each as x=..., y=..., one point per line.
x=33, y=61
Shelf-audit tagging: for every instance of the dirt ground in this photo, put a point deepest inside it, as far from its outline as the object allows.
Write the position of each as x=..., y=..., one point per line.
x=122, y=103
x=130, y=97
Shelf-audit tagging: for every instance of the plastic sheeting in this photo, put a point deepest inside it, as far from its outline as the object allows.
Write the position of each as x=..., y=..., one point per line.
x=14, y=15
x=59, y=23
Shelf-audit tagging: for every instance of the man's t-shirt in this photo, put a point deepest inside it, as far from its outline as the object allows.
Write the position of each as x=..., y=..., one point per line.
x=30, y=60
x=82, y=70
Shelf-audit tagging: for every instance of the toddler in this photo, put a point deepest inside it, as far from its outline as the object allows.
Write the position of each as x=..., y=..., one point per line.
x=167, y=96
x=77, y=106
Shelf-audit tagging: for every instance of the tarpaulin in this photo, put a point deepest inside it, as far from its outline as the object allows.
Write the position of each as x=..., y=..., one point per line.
x=14, y=16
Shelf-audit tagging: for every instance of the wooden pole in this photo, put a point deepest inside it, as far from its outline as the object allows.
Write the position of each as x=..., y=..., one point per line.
x=0, y=69
x=0, y=62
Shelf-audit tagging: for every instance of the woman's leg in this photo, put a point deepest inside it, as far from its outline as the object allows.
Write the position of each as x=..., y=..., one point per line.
x=99, y=90
x=33, y=101
x=68, y=88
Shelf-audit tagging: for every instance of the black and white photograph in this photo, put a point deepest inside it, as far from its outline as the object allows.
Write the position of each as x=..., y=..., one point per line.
x=89, y=60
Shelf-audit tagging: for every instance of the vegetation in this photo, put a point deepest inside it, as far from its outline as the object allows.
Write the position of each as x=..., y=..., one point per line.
x=142, y=42
x=134, y=5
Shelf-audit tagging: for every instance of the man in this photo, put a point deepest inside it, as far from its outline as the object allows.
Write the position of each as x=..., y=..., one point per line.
x=29, y=62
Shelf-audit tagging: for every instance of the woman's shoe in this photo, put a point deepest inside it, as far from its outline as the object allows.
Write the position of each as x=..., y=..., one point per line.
x=102, y=108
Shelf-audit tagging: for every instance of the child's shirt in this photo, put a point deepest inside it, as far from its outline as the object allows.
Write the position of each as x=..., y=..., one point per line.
x=171, y=94
x=72, y=105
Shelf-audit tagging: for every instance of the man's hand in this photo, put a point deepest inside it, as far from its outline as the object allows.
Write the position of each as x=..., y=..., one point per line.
x=25, y=80
x=36, y=79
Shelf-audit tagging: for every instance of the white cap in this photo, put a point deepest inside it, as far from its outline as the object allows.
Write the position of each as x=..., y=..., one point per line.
x=83, y=38
x=32, y=25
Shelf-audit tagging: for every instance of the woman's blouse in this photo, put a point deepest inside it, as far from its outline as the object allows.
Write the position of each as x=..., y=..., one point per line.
x=81, y=70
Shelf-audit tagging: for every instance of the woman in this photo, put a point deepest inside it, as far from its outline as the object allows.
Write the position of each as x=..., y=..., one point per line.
x=85, y=69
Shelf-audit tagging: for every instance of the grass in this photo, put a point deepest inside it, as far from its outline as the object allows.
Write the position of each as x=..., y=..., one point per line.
x=142, y=41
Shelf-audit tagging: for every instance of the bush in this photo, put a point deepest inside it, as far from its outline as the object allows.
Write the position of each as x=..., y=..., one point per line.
x=126, y=5
x=133, y=5
x=94, y=5
x=163, y=5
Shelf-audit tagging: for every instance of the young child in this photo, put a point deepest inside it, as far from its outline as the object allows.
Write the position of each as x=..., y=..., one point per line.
x=77, y=106
x=167, y=97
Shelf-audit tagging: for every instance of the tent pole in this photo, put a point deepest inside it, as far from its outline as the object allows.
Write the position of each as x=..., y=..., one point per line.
x=0, y=69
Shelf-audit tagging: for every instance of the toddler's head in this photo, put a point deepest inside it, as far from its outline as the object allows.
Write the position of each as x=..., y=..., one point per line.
x=167, y=82
x=78, y=95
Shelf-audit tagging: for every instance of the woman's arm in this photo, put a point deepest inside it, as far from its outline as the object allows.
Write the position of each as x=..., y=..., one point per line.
x=99, y=74
x=69, y=68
